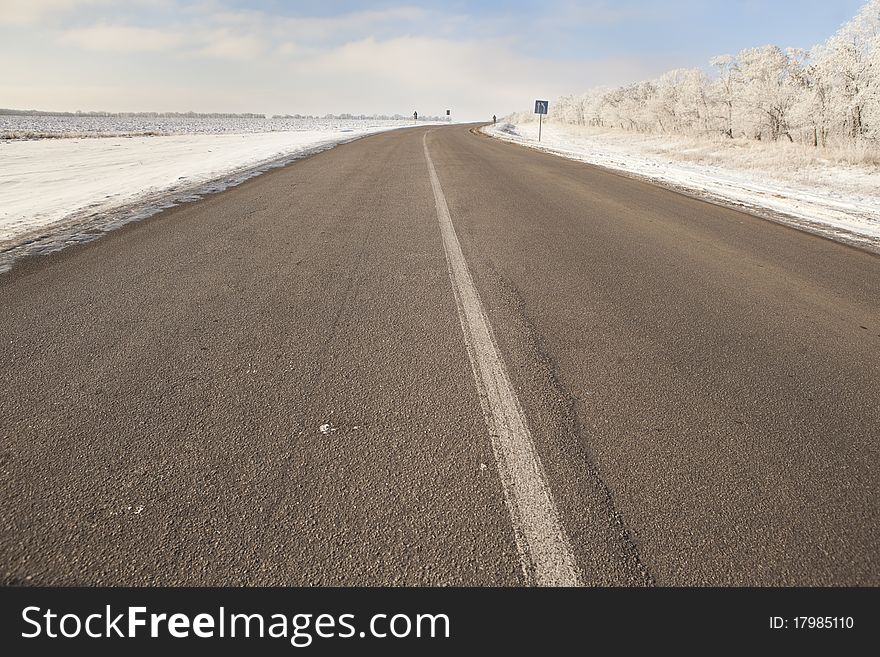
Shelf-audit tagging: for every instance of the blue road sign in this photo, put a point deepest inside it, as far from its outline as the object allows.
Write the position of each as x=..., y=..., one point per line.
x=541, y=106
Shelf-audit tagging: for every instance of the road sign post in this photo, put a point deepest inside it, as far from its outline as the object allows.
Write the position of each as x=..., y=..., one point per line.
x=541, y=110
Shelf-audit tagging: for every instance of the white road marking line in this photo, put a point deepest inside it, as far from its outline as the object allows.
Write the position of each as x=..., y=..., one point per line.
x=545, y=554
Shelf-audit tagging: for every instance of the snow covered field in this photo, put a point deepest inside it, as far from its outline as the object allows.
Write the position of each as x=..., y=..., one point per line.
x=56, y=192
x=43, y=126
x=783, y=182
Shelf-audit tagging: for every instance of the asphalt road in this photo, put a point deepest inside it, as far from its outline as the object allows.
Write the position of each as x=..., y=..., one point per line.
x=700, y=387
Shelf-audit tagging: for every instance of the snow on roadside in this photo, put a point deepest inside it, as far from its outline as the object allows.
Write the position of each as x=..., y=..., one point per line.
x=54, y=193
x=837, y=201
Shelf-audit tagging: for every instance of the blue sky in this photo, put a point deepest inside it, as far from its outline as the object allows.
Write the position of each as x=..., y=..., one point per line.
x=344, y=56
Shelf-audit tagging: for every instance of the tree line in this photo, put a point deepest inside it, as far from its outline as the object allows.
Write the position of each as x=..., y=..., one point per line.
x=828, y=95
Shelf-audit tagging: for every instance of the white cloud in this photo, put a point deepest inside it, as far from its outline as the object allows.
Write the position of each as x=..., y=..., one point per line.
x=26, y=12
x=288, y=49
x=315, y=29
x=122, y=38
x=226, y=44
x=222, y=43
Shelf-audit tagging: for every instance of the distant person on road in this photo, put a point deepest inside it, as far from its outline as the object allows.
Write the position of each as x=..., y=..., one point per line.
x=415, y=116
x=494, y=119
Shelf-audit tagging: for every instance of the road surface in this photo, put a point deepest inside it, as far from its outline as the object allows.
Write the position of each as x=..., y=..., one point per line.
x=432, y=358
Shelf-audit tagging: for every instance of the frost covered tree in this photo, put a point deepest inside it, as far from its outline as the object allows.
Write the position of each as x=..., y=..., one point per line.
x=811, y=111
x=850, y=65
x=764, y=84
x=828, y=94
x=722, y=92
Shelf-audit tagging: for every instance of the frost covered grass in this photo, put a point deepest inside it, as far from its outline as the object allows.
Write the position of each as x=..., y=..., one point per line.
x=811, y=188
x=792, y=161
x=850, y=167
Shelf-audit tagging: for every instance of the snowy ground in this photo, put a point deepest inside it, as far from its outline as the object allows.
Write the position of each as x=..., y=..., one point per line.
x=41, y=126
x=56, y=192
x=783, y=182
